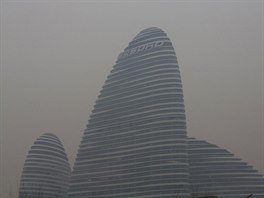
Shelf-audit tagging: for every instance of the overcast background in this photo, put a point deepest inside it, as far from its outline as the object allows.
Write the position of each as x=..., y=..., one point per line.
x=56, y=56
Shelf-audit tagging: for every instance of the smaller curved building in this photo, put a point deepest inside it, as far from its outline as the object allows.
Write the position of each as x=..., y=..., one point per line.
x=216, y=171
x=46, y=171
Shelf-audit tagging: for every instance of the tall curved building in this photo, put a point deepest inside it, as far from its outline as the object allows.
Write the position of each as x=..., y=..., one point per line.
x=46, y=172
x=135, y=144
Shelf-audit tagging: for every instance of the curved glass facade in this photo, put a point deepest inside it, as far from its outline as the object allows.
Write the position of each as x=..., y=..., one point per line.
x=46, y=171
x=135, y=144
x=215, y=171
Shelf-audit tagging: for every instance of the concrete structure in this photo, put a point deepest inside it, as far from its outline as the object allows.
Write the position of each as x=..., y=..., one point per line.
x=135, y=144
x=46, y=171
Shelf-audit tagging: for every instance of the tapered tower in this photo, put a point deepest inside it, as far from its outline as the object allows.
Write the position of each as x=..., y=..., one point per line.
x=135, y=142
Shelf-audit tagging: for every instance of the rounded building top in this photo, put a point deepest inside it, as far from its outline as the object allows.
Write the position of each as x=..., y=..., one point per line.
x=46, y=170
x=148, y=40
x=148, y=32
x=49, y=134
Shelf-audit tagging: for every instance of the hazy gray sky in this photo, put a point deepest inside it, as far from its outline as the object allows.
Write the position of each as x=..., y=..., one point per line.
x=56, y=56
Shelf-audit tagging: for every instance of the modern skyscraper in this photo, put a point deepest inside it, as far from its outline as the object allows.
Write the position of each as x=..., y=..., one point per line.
x=46, y=172
x=135, y=144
